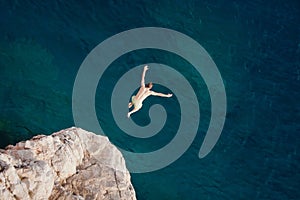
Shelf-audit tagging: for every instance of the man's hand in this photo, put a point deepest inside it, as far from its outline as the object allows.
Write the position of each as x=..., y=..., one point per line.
x=169, y=95
x=146, y=68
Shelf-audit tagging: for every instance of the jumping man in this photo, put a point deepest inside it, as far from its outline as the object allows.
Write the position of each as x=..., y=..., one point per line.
x=144, y=92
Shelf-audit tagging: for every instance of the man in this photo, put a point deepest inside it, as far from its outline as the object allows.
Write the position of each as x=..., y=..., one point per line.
x=144, y=92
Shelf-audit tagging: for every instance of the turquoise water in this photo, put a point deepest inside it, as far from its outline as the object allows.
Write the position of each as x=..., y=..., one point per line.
x=255, y=44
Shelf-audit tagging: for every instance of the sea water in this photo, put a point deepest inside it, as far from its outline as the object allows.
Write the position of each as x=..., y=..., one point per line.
x=255, y=45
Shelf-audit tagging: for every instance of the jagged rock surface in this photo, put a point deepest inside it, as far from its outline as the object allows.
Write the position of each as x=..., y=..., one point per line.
x=70, y=164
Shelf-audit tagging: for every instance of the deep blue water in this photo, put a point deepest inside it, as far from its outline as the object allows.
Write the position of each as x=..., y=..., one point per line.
x=255, y=44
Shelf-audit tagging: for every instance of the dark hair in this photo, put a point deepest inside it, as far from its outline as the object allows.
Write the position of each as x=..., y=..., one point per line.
x=148, y=85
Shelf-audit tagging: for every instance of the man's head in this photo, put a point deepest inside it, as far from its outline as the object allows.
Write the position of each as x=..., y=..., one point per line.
x=149, y=85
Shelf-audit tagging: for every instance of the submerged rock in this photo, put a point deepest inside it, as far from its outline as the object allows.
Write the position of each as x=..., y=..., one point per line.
x=69, y=164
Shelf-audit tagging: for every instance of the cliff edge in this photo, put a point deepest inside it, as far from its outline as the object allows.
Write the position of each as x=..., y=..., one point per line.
x=69, y=164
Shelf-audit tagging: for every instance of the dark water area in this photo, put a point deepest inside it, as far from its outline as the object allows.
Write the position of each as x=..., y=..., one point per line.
x=255, y=44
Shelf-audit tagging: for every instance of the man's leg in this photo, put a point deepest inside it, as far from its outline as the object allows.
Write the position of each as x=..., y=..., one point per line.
x=133, y=111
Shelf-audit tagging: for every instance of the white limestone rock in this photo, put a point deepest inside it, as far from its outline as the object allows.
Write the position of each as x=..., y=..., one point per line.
x=69, y=164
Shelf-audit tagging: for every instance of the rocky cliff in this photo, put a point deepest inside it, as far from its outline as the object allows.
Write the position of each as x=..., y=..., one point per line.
x=70, y=164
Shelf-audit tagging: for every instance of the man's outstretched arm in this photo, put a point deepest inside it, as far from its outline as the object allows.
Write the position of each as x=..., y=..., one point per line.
x=160, y=94
x=143, y=76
